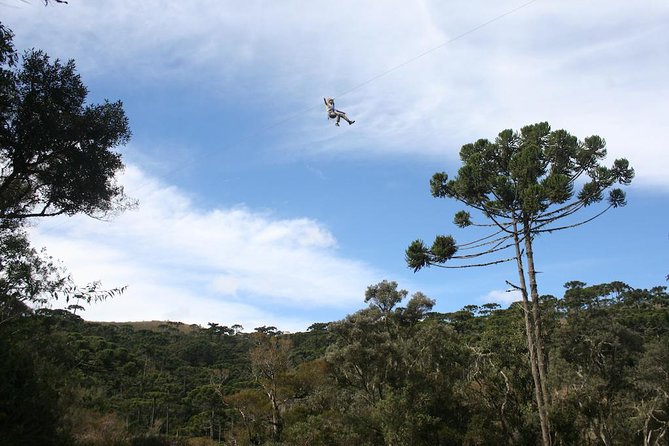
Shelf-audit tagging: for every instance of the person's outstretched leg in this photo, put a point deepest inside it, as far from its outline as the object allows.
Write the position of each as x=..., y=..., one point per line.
x=343, y=115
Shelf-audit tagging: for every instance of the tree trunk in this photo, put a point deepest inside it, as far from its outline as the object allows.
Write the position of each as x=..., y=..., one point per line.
x=211, y=425
x=536, y=314
x=153, y=412
x=277, y=422
x=531, y=333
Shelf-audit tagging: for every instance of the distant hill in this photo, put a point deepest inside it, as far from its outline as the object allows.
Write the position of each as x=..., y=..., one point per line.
x=154, y=325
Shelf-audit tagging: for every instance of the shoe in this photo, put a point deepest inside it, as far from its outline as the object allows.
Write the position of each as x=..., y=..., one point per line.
x=351, y=122
x=337, y=124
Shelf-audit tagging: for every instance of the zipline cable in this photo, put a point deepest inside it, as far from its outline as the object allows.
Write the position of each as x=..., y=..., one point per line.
x=396, y=67
x=372, y=79
x=431, y=50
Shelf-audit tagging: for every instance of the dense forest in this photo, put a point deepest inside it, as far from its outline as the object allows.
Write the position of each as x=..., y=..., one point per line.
x=590, y=367
x=393, y=373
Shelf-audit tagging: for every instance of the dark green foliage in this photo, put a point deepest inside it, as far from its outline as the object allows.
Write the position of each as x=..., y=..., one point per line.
x=29, y=409
x=310, y=345
x=26, y=276
x=610, y=375
x=55, y=150
x=443, y=248
x=617, y=198
x=383, y=360
x=393, y=372
x=417, y=255
x=528, y=177
x=55, y=158
x=29, y=278
x=462, y=219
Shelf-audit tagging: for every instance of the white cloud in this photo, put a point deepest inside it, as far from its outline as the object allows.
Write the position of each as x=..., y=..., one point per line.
x=224, y=265
x=595, y=67
x=501, y=297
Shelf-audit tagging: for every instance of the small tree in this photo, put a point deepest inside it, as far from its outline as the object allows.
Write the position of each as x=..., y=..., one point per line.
x=524, y=184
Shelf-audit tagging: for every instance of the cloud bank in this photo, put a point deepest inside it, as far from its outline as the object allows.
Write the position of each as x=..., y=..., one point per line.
x=218, y=265
x=595, y=67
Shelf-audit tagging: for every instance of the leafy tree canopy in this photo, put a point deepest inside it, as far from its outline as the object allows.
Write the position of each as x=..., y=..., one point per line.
x=55, y=149
x=533, y=178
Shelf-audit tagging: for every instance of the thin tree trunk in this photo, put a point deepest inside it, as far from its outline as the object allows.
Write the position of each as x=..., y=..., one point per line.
x=277, y=422
x=536, y=313
x=153, y=412
x=531, y=344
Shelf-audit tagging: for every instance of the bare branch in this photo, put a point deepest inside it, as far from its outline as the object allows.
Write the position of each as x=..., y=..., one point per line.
x=483, y=253
x=560, y=228
x=471, y=245
x=473, y=265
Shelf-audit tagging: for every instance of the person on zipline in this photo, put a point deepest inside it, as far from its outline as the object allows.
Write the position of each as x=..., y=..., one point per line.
x=333, y=113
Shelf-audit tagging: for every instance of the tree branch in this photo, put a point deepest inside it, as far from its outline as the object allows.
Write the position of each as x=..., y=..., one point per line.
x=474, y=265
x=573, y=225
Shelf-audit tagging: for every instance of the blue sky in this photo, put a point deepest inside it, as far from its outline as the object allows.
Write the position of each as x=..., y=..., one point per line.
x=254, y=209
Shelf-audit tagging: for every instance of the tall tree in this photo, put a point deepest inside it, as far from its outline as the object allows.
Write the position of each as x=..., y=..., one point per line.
x=56, y=151
x=55, y=158
x=270, y=364
x=524, y=184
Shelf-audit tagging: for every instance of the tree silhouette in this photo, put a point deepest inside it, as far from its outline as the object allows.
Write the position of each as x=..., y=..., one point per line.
x=55, y=149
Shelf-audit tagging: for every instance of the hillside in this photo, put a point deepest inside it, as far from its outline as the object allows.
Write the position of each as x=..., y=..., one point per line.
x=401, y=372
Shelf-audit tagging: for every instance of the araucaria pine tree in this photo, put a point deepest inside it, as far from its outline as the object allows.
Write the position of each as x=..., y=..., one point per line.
x=525, y=184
